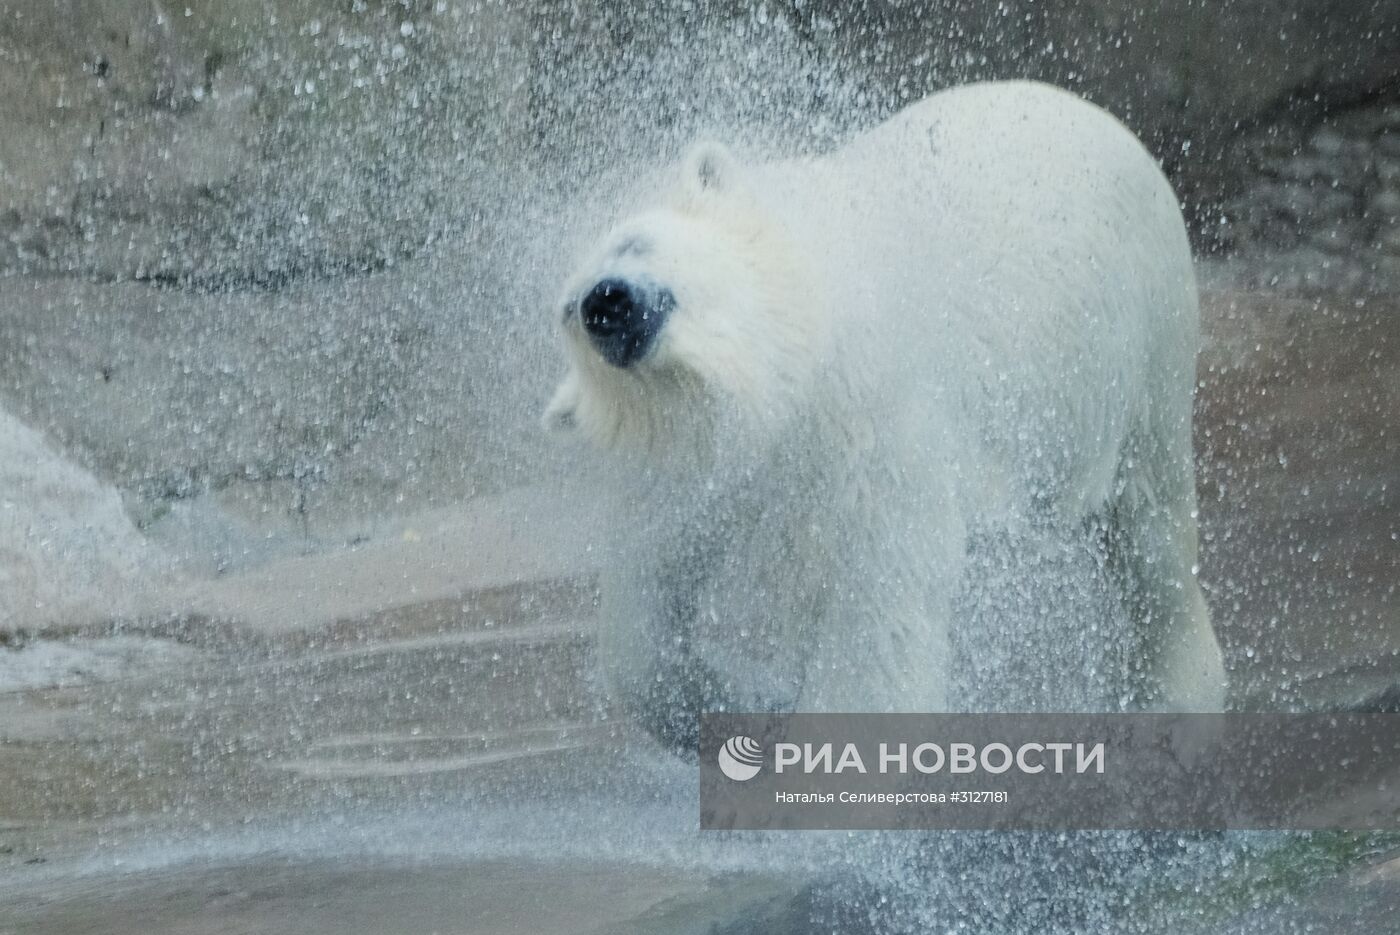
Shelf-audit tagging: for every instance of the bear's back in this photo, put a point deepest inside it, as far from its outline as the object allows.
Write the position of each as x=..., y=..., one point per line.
x=1005, y=247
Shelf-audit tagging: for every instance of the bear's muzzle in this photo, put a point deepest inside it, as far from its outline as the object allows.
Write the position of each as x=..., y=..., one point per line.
x=622, y=319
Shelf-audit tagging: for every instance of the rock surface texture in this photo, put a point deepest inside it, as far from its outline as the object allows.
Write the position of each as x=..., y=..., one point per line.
x=1320, y=208
x=68, y=552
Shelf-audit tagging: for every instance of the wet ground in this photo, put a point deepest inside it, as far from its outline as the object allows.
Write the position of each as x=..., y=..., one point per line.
x=527, y=898
x=402, y=738
x=1298, y=437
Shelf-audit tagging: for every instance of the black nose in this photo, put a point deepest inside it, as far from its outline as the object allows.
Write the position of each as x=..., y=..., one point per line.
x=609, y=309
x=622, y=319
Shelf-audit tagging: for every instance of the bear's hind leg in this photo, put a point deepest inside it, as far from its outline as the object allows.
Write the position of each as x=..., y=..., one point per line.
x=1153, y=552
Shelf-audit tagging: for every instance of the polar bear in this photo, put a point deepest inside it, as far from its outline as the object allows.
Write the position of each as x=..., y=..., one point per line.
x=811, y=380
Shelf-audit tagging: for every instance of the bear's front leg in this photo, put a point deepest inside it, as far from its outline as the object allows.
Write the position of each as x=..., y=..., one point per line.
x=686, y=636
x=648, y=657
x=883, y=647
x=894, y=548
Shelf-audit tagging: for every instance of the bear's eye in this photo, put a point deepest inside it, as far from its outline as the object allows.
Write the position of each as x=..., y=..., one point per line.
x=633, y=246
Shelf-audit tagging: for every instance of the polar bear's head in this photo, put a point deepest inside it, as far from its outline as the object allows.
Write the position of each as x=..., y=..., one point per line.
x=684, y=318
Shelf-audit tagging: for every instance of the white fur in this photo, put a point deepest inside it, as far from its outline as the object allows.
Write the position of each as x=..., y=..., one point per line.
x=981, y=313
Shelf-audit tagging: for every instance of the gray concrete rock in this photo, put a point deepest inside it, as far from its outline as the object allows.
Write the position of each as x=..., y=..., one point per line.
x=247, y=143
x=1317, y=208
x=68, y=552
x=295, y=411
x=191, y=198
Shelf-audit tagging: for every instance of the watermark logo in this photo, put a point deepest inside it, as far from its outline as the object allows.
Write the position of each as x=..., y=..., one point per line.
x=741, y=758
x=1049, y=772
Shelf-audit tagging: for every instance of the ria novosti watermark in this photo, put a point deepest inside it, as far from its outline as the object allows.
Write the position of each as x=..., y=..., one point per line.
x=1050, y=772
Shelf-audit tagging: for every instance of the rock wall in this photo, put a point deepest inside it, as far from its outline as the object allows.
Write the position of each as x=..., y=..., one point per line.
x=68, y=552
x=244, y=143
x=204, y=206
x=1319, y=207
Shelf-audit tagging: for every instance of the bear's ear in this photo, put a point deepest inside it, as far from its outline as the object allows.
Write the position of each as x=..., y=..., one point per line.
x=709, y=169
